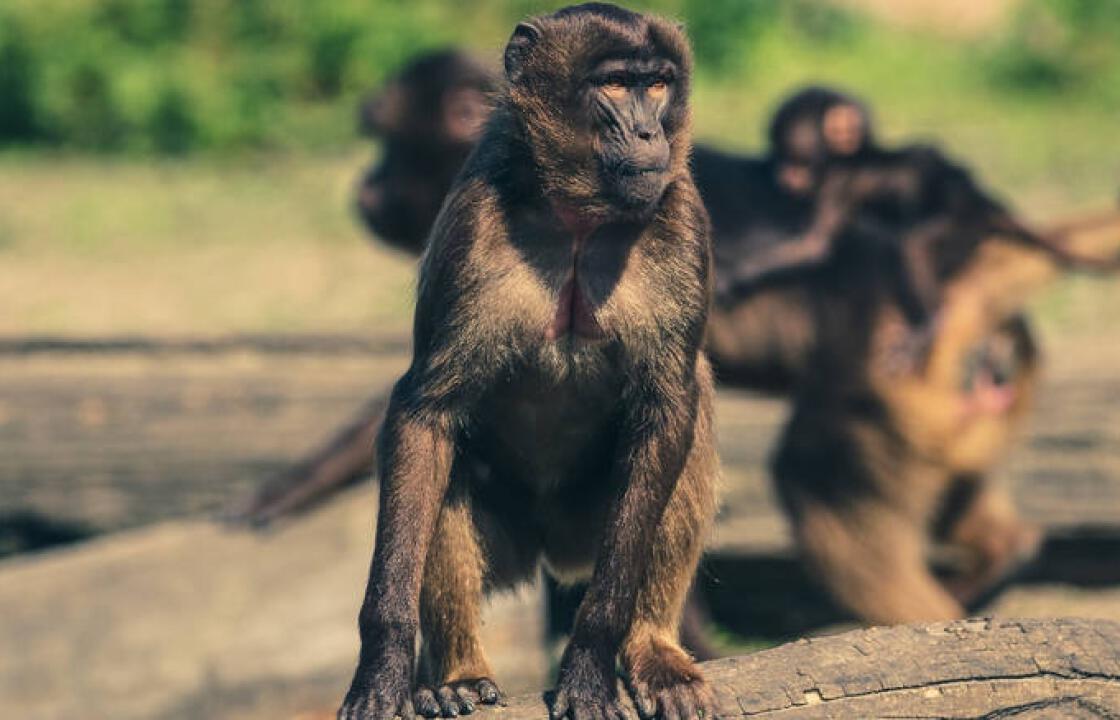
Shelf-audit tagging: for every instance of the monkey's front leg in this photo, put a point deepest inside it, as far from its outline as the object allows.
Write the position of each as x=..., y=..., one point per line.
x=415, y=467
x=645, y=565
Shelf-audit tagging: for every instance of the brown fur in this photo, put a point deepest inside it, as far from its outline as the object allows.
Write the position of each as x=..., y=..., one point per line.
x=875, y=461
x=558, y=407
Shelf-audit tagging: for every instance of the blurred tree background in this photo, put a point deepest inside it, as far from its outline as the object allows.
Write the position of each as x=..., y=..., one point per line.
x=187, y=165
x=171, y=77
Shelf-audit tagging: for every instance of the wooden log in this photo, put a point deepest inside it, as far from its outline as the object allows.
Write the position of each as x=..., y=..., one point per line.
x=972, y=668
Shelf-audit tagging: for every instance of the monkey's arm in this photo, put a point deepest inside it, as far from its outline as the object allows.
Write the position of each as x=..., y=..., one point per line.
x=1056, y=244
x=657, y=437
x=969, y=200
x=416, y=449
x=809, y=249
x=416, y=446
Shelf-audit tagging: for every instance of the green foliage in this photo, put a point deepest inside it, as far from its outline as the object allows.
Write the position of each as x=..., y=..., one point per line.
x=92, y=119
x=724, y=31
x=159, y=76
x=172, y=125
x=329, y=55
x=1059, y=45
x=19, y=116
x=145, y=23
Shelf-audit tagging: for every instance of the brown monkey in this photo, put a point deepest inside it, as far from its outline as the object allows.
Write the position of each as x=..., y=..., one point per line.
x=918, y=229
x=558, y=406
x=760, y=341
x=874, y=463
x=428, y=119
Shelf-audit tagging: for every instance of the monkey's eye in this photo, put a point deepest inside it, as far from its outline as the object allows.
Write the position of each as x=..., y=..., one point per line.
x=615, y=89
x=657, y=89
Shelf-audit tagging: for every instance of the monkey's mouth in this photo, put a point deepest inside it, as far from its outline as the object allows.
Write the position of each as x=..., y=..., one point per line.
x=574, y=315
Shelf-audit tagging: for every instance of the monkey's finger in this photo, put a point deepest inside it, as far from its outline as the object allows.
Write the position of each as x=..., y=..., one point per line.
x=488, y=692
x=426, y=703
x=465, y=697
x=448, y=702
x=559, y=708
x=407, y=712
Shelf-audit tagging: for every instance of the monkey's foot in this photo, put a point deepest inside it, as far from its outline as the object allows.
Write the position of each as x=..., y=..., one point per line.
x=378, y=700
x=666, y=683
x=382, y=687
x=1009, y=550
x=456, y=698
x=588, y=688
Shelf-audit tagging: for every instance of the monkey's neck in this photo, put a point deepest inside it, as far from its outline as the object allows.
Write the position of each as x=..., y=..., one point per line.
x=576, y=222
x=574, y=313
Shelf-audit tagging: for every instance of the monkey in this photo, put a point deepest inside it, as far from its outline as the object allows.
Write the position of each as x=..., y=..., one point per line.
x=760, y=342
x=918, y=226
x=558, y=404
x=875, y=462
x=428, y=118
x=762, y=339
x=827, y=148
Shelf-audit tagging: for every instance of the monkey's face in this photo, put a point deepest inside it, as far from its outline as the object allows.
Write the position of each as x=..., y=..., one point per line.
x=625, y=102
x=400, y=197
x=813, y=130
x=428, y=117
x=844, y=130
x=601, y=94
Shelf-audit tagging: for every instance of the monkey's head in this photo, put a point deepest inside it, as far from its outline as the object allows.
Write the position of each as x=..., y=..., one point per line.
x=816, y=127
x=600, y=95
x=428, y=118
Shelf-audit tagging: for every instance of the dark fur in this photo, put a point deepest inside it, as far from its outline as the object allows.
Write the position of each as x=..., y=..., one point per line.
x=826, y=171
x=558, y=407
x=428, y=119
x=879, y=454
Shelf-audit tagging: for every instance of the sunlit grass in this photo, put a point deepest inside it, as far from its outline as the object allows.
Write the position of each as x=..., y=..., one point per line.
x=270, y=245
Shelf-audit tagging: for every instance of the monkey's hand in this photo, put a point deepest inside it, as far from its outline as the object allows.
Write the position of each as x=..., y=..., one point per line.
x=666, y=683
x=588, y=687
x=456, y=698
x=382, y=685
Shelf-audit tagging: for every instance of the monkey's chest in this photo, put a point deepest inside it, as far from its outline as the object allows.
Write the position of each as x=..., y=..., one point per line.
x=567, y=288
x=545, y=436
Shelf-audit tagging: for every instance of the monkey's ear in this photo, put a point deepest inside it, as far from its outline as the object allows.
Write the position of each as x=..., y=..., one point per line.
x=524, y=37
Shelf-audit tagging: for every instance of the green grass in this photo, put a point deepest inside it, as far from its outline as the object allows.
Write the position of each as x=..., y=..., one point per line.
x=134, y=246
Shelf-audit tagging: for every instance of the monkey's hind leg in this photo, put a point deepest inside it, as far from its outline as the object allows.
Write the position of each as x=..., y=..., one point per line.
x=872, y=559
x=983, y=520
x=450, y=619
x=663, y=679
